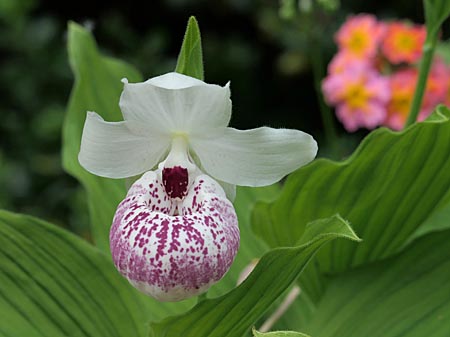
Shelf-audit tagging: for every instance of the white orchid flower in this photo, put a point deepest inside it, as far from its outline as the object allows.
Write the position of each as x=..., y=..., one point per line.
x=176, y=232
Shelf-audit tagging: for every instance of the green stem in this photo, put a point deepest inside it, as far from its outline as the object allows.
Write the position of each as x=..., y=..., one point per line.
x=425, y=65
x=318, y=68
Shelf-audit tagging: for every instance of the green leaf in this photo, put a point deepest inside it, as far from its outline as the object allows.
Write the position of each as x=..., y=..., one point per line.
x=438, y=221
x=278, y=334
x=251, y=249
x=233, y=314
x=388, y=189
x=55, y=284
x=190, y=58
x=394, y=183
x=97, y=88
x=436, y=12
x=407, y=295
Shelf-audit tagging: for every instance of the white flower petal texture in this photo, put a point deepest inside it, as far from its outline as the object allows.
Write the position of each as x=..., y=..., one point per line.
x=173, y=105
x=189, y=106
x=256, y=157
x=112, y=150
x=175, y=81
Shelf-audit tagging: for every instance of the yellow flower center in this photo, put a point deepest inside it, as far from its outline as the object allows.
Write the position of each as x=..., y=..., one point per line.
x=406, y=42
x=400, y=103
x=357, y=96
x=358, y=42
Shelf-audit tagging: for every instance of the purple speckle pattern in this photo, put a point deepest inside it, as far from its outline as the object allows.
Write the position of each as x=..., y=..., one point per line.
x=172, y=249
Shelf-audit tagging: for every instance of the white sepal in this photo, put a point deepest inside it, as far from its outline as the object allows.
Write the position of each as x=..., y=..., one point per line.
x=255, y=157
x=112, y=150
x=186, y=106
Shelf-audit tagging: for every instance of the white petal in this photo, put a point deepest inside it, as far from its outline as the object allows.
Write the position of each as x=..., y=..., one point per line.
x=230, y=189
x=256, y=157
x=111, y=150
x=175, y=81
x=176, y=103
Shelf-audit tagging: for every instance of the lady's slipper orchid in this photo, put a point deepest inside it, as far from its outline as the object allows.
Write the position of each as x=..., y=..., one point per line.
x=176, y=232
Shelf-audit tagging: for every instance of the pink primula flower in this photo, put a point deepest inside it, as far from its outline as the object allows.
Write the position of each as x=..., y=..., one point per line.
x=359, y=96
x=437, y=87
x=403, y=84
x=372, y=79
x=403, y=42
x=447, y=87
x=344, y=61
x=360, y=36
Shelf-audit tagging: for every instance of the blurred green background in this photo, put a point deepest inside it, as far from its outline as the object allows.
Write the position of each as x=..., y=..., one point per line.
x=264, y=48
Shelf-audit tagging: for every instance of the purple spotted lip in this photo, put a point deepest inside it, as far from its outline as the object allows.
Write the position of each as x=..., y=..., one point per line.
x=170, y=247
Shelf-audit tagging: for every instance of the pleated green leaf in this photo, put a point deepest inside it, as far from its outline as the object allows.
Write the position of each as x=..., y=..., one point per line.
x=251, y=249
x=190, y=58
x=233, y=314
x=389, y=189
x=394, y=190
x=407, y=295
x=56, y=284
x=97, y=88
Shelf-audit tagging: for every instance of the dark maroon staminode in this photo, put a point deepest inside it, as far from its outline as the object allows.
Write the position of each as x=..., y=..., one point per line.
x=175, y=181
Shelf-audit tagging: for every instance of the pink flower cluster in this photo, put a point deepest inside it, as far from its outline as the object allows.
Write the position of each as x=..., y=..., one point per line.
x=372, y=79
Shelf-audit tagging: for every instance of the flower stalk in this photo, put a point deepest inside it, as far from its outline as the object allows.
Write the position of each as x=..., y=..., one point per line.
x=318, y=67
x=425, y=66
